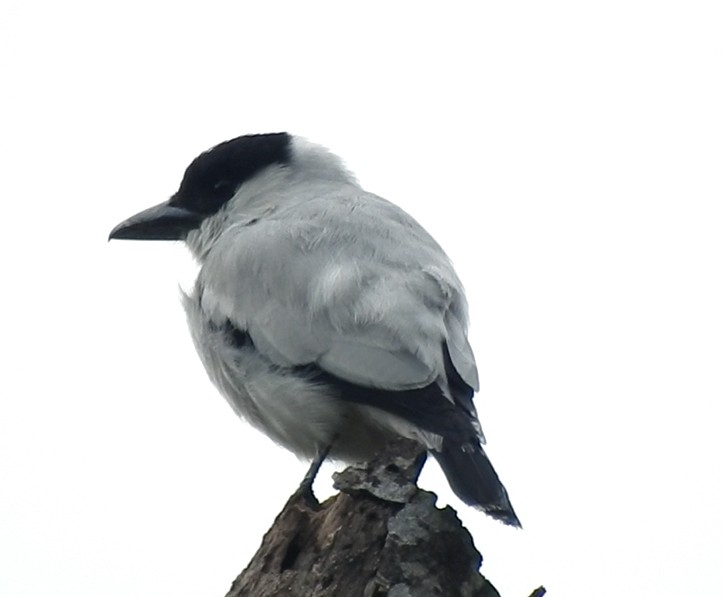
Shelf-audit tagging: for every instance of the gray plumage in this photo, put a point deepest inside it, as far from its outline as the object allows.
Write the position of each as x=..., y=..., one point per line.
x=324, y=314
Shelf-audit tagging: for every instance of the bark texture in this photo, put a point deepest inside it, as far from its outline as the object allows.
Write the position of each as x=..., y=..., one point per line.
x=381, y=536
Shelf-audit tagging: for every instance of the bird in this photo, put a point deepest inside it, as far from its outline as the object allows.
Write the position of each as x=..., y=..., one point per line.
x=327, y=316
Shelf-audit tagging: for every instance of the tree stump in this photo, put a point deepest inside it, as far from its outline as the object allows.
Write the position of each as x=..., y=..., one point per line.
x=381, y=536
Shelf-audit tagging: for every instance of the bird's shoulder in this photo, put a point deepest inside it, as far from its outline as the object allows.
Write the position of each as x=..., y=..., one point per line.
x=352, y=283
x=330, y=252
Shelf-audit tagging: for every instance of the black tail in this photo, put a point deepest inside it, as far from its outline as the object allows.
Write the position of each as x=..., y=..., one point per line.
x=475, y=481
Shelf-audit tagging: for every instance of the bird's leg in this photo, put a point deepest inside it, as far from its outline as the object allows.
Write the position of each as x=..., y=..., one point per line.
x=305, y=488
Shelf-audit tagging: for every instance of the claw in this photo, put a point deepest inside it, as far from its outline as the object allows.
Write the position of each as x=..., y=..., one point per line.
x=305, y=487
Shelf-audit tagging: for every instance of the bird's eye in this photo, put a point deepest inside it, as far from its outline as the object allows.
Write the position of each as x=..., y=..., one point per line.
x=223, y=189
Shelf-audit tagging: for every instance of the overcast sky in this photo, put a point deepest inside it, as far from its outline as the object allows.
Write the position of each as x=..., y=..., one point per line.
x=567, y=155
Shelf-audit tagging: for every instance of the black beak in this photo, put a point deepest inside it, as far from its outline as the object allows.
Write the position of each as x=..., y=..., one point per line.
x=160, y=222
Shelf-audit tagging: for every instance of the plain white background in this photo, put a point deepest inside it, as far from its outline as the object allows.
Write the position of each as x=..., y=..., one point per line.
x=567, y=155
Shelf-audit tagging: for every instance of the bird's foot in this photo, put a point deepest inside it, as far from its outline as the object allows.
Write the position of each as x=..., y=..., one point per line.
x=305, y=490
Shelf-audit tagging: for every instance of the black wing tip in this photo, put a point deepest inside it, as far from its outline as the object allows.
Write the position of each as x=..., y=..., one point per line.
x=474, y=480
x=504, y=514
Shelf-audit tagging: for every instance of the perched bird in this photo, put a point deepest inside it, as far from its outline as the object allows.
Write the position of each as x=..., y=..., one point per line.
x=325, y=315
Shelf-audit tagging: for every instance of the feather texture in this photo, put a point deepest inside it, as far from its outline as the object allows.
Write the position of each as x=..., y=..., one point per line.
x=323, y=313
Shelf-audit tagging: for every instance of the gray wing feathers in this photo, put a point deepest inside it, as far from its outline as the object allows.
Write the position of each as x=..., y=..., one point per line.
x=461, y=354
x=350, y=283
x=375, y=366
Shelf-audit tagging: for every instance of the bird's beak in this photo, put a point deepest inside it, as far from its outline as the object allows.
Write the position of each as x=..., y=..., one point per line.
x=160, y=222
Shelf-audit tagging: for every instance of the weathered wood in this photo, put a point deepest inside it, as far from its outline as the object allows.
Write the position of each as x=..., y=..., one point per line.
x=380, y=536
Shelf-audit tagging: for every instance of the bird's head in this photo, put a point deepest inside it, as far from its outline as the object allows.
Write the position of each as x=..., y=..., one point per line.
x=208, y=184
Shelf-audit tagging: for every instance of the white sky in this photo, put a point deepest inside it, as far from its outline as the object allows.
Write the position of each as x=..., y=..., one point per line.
x=567, y=155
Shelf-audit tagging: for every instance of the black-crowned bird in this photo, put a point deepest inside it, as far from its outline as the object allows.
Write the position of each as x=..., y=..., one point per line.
x=325, y=315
